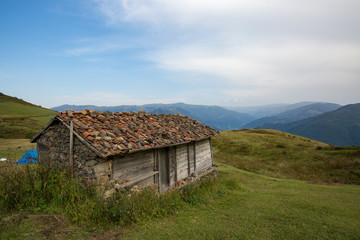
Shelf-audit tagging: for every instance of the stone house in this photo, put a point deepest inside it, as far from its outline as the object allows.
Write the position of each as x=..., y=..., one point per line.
x=126, y=149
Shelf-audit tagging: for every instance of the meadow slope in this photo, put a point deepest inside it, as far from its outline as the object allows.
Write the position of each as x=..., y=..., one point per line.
x=280, y=154
x=20, y=119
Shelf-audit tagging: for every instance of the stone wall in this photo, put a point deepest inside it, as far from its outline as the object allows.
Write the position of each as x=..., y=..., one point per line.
x=53, y=149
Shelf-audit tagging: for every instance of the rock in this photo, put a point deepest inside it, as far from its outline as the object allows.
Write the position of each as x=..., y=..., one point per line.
x=130, y=146
x=142, y=143
x=107, y=114
x=102, y=134
x=116, y=131
x=106, y=145
x=77, y=122
x=101, y=118
x=90, y=163
x=101, y=168
x=96, y=126
x=110, y=134
x=109, y=193
x=132, y=126
x=85, y=112
x=69, y=113
x=150, y=139
x=141, y=114
x=93, y=114
x=94, y=133
x=84, y=127
x=106, y=138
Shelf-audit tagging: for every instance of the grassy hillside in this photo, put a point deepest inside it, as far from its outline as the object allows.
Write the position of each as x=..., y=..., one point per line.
x=20, y=119
x=238, y=205
x=284, y=155
x=13, y=149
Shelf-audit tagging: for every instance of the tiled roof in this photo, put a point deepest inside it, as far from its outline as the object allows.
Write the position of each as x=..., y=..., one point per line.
x=117, y=133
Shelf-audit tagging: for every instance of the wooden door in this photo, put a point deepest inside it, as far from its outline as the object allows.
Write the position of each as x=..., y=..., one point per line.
x=164, y=169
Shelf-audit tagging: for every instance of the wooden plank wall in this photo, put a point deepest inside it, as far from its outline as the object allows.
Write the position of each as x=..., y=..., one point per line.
x=173, y=163
x=203, y=154
x=191, y=151
x=182, y=161
x=134, y=165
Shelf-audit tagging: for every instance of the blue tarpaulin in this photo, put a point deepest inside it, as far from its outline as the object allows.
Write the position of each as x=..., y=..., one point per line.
x=29, y=156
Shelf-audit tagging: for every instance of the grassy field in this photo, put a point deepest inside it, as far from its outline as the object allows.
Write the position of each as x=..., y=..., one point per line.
x=13, y=149
x=237, y=205
x=20, y=119
x=280, y=154
x=242, y=205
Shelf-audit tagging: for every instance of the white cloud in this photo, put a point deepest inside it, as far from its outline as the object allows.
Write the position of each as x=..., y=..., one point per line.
x=256, y=48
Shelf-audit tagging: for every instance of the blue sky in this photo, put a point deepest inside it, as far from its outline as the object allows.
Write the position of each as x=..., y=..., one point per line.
x=229, y=52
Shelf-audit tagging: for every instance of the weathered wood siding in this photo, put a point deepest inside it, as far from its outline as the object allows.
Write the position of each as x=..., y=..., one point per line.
x=163, y=165
x=191, y=156
x=203, y=154
x=182, y=161
x=135, y=165
x=173, y=163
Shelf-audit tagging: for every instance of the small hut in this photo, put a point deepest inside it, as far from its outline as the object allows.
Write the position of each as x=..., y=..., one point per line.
x=126, y=149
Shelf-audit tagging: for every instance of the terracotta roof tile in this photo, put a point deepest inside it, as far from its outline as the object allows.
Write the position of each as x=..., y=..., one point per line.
x=116, y=133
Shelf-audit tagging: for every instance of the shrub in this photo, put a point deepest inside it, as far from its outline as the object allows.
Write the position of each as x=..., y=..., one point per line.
x=52, y=190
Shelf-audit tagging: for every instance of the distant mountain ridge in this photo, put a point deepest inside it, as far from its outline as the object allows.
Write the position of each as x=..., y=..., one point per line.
x=326, y=122
x=292, y=115
x=340, y=127
x=269, y=110
x=215, y=116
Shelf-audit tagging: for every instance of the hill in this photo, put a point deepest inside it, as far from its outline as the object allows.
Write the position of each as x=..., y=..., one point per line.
x=340, y=127
x=292, y=115
x=280, y=154
x=268, y=110
x=21, y=119
x=215, y=116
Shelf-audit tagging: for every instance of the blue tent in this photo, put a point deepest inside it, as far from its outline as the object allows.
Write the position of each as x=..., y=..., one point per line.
x=29, y=156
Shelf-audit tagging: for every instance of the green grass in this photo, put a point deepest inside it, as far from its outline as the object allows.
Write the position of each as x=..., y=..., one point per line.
x=36, y=204
x=238, y=205
x=19, y=119
x=252, y=206
x=284, y=155
x=13, y=149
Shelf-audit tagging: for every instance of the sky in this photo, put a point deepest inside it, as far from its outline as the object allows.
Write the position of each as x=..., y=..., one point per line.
x=226, y=52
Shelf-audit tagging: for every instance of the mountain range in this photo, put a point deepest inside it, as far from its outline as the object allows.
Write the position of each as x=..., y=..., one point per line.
x=327, y=122
x=293, y=115
x=340, y=127
x=215, y=116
